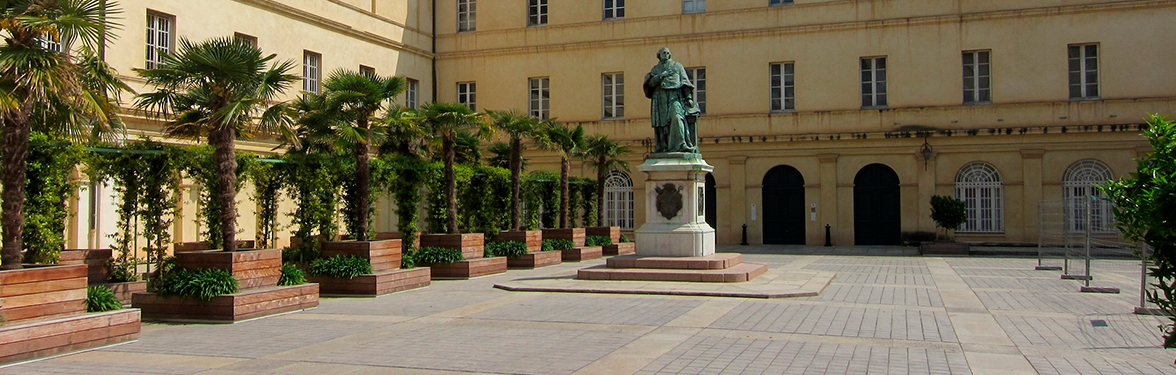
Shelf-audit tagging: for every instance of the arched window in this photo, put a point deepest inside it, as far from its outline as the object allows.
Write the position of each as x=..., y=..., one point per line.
x=978, y=184
x=618, y=200
x=1081, y=192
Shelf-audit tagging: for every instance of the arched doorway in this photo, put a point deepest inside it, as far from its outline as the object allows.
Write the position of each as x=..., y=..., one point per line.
x=783, y=193
x=712, y=204
x=877, y=218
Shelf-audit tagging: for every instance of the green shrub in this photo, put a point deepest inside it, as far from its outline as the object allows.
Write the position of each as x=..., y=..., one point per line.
x=431, y=255
x=408, y=258
x=948, y=213
x=123, y=270
x=558, y=244
x=547, y=246
x=624, y=239
x=201, y=284
x=506, y=249
x=291, y=275
x=100, y=298
x=343, y=266
x=302, y=254
x=597, y=241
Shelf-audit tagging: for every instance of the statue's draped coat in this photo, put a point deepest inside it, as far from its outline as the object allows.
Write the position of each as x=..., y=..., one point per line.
x=673, y=111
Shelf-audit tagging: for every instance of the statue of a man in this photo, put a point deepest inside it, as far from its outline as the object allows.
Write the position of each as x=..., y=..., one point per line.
x=673, y=111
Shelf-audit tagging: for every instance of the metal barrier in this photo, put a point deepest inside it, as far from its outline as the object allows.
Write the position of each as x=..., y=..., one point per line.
x=1074, y=230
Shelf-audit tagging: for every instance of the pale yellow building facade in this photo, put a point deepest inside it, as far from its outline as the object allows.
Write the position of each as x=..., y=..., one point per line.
x=844, y=113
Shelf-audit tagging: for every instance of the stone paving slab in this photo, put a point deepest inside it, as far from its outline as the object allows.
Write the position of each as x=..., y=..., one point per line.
x=772, y=284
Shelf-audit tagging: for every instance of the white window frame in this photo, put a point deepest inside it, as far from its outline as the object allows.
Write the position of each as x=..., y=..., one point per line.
x=697, y=77
x=1080, y=184
x=614, y=9
x=161, y=36
x=367, y=69
x=979, y=185
x=977, y=74
x=467, y=15
x=1083, y=71
x=693, y=6
x=248, y=39
x=48, y=42
x=539, y=97
x=612, y=95
x=536, y=12
x=618, y=200
x=312, y=71
x=412, y=93
x=873, y=87
x=782, y=86
x=467, y=93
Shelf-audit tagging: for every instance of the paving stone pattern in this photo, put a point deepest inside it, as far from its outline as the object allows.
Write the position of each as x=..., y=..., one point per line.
x=594, y=309
x=249, y=339
x=849, y=321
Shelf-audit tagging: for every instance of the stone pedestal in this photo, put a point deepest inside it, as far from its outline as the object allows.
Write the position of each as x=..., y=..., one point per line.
x=675, y=220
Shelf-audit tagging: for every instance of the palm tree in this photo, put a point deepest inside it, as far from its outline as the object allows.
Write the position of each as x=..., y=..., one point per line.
x=566, y=141
x=403, y=132
x=520, y=127
x=445, y=120
x=604, y=155
x=499, y=155
x=467, y=148
x=220, y=89
x=355, y=97
x=47, y=88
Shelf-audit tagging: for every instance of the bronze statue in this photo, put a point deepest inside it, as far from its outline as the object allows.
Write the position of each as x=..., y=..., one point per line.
x=673, y=111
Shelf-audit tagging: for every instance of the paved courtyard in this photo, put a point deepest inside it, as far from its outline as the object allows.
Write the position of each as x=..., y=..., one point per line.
x=885, y=312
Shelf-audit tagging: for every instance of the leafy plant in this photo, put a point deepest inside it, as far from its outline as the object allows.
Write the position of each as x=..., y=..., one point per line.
x=200, y=284
x=547, y=246
x=342, y=266
x=592, y=241
x=438, y=255
x=100, y=298
x=948, y=213
x=559, y=244
x=48, y=187
x=408, y=259
x=267, y=190
x=624, y=239
x=505, y=249
x=1145, y=208
x=566, y=141
x=291, y=275
x=311, y=182
x=122, y=269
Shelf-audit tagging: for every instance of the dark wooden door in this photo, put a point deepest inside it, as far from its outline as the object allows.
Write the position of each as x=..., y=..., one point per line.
x=783, y=193
x=877, y=206
x=712, y=200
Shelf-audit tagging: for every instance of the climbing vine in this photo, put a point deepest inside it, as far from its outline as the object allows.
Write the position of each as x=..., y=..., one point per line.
x=436, y=183
x=49, y=185
x=201, y=167
x=311, y=182
x=403, y=177
x=267, y=191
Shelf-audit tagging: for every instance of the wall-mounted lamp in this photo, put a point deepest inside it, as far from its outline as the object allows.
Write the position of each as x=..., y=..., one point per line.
x=926, y=152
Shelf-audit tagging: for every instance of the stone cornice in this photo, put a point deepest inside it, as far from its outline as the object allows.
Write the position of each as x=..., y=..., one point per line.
x=342, y=28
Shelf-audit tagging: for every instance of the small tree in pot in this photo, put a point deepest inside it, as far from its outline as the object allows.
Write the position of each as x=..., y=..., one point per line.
x=949, y=213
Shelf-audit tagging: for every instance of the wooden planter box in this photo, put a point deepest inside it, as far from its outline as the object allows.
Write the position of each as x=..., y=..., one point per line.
x=576, y=235
x=374, y=284
x=416, y=244
x=628, y=248
x=582, y=253
x=124, y=291
x=535, y=259
x=252, y=269
x=470, y=244
x=247, y=304
x=183, y=247
x=611, y=232
x=384, y=254
x=44, y=338
x=533, y=238
x=95, y=259
x=41, y=292
x=469, y=268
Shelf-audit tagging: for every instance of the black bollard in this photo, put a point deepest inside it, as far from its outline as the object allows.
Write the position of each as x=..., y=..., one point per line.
x=744, y=235
x=828, y=238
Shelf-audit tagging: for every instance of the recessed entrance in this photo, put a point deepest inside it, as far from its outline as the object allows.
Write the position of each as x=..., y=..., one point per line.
x=712, y=204
x=783, y=206
x=876, y=206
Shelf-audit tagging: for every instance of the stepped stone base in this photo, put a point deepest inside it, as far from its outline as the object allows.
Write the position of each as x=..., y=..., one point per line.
x=715, y=268
x=469, y=268
x=582, y=253
x=627, y=248
x=536, y=259
x=247, y=304
x=374, y=284
x=48, y=337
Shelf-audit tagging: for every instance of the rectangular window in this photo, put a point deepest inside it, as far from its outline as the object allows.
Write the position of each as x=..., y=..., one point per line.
x=50, y=43
x=540, y=98
x=779, y=2
x=613, y=94
x=467, y=15
x=467, y=93
x=160, y=33
x=311, y=71
x=697, y=76
x=873, y=82
x=783, y=86
x=693, y=6
x=247, y=39
x=536, y=12
x=614, y=9
x=977, y=77
x=410, y=95
x=367, y=70
x=1083, y=71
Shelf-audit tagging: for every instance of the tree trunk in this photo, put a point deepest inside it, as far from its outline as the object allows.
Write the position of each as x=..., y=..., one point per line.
x=600, y=175
x=516, y=150
x=563, y=191
x=16, y=152
x=363, y=176
x=450, y=185
x=223, y=141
